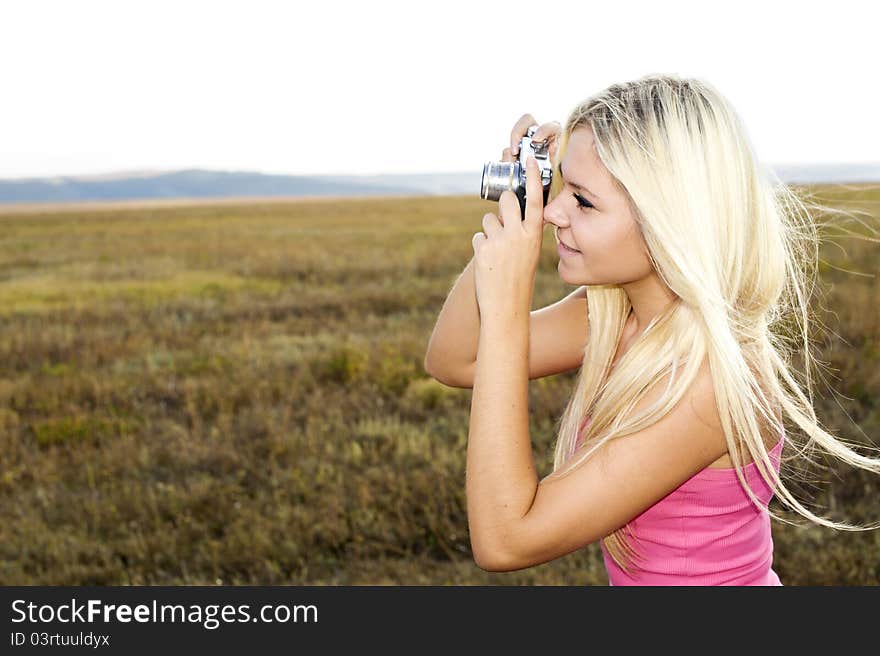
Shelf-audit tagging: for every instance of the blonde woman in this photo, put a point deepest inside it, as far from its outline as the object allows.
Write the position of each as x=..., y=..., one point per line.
x=687, y=259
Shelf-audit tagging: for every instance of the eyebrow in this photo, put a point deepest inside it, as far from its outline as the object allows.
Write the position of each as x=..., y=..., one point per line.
x=575, y=184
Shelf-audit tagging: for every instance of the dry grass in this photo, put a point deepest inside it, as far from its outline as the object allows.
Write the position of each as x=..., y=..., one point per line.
x=235, y=393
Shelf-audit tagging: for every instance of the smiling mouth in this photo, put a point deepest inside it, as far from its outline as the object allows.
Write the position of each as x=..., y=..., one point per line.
x=568, y=248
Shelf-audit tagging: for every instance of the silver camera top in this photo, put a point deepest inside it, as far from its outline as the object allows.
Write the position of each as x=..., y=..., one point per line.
x=537, y=148
x=499, y=177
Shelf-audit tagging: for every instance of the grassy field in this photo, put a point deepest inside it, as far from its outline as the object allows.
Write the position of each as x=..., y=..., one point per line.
x=235, y=393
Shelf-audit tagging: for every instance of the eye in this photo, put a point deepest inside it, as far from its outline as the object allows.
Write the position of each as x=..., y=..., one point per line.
x=582, y=202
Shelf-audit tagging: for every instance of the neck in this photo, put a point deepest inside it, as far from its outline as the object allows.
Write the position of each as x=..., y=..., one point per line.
x=649, y=297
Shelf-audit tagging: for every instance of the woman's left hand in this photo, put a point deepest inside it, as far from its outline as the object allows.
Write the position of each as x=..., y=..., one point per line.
x=506, y=255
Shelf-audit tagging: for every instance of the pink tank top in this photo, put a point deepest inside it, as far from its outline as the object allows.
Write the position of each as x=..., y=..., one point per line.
x=706, y=532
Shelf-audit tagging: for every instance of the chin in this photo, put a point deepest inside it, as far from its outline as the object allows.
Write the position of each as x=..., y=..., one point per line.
x=576, y=279
x=567, y=278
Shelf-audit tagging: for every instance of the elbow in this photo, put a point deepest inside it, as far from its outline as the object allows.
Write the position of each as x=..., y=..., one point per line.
x=495, y=563
x=462, y=378
x=440, y=378
x=493, y=560
x=486, y=562
x=430, y=372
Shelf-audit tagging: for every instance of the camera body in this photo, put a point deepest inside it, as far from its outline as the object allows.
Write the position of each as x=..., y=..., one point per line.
x=499, y=177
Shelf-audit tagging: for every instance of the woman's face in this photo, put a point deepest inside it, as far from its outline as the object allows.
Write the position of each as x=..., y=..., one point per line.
x=596, y=220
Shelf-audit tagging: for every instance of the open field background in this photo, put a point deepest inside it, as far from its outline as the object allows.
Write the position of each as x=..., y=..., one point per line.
x=234, y=393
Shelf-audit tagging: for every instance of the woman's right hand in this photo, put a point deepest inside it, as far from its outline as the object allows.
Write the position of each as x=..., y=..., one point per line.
x=549, y=131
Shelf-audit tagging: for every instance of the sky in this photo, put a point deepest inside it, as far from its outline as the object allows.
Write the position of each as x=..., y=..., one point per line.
x=327, y=87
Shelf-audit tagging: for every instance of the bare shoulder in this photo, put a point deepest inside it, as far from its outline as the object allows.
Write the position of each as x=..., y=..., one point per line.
x=702, y=399
x=696, y=415
x=698, y=403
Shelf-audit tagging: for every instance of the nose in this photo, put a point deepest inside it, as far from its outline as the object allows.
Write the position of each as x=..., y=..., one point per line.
x=554, y=213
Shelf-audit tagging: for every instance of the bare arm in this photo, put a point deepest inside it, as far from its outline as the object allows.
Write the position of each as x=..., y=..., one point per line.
x=452, y=348
x=558, y=336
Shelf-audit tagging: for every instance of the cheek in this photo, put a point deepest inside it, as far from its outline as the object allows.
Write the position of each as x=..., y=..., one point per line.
x=611, y=237
x=599, y=234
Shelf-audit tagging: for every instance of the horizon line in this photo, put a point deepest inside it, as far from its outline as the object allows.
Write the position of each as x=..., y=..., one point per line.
x=27, y=207
x=148, y=172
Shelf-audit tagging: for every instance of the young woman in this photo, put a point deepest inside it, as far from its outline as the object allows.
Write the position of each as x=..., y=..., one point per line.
x=687, y=257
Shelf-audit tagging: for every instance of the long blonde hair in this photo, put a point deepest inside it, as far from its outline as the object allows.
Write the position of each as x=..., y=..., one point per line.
x=738, y=248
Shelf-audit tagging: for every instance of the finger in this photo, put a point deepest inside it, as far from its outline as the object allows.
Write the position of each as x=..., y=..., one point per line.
x=508, y=206
x=507, y=155
x=519, y=131
x=534, y=219
x=547, y=131
x=477, y=239
x=492, y=224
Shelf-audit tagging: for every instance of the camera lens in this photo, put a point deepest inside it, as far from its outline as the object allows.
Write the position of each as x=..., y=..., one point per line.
x=499, y=177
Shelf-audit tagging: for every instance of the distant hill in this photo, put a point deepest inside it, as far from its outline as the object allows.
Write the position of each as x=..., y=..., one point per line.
x=828, y=173
x=191, y=183
x=201, y=183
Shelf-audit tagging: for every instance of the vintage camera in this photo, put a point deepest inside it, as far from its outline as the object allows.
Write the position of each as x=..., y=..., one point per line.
x=499, y=177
